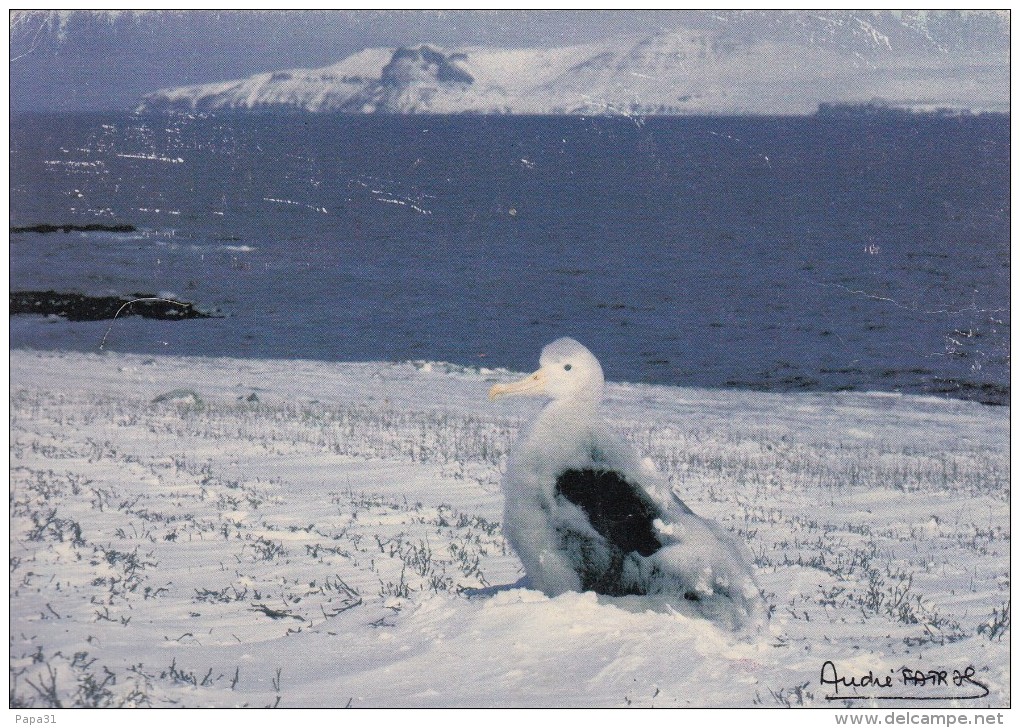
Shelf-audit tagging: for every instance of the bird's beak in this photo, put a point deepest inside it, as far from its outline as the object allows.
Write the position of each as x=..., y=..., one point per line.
x=531, y=384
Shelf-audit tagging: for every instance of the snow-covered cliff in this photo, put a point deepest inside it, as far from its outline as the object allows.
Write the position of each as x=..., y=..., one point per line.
x=704, y=71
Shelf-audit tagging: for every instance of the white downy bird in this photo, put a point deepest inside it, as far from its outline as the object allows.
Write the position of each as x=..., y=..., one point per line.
x=584, y=514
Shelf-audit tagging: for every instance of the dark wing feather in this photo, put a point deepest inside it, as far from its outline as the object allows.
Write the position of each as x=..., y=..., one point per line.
x=618, y=510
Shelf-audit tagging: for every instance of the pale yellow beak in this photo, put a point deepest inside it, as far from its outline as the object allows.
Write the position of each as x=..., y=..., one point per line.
x=531, y=384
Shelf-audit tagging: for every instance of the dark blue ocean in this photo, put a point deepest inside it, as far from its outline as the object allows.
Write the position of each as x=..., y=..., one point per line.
x=781, y=254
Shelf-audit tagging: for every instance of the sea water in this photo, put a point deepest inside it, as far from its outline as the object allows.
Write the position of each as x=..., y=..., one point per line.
x=807, y=253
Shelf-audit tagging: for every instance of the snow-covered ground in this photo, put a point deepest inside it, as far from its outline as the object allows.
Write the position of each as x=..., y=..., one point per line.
x=216, y=532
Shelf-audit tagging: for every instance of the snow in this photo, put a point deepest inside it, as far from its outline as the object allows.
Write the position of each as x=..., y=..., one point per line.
x=301, y=533
x=520, y=69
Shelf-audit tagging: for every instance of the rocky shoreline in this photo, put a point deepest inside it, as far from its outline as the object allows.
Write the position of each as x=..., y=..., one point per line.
x=45, y=229
x=79, y=307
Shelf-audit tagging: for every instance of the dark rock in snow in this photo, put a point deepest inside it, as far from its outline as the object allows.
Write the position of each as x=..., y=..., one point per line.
x=410, y=65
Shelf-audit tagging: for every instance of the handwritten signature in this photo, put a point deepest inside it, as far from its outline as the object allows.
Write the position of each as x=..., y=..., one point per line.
x=903, y=684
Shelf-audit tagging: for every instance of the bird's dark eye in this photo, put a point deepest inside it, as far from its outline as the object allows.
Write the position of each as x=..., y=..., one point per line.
x=568, y=367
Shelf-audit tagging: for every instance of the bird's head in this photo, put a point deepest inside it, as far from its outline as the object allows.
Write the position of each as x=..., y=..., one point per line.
x=568, y=371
